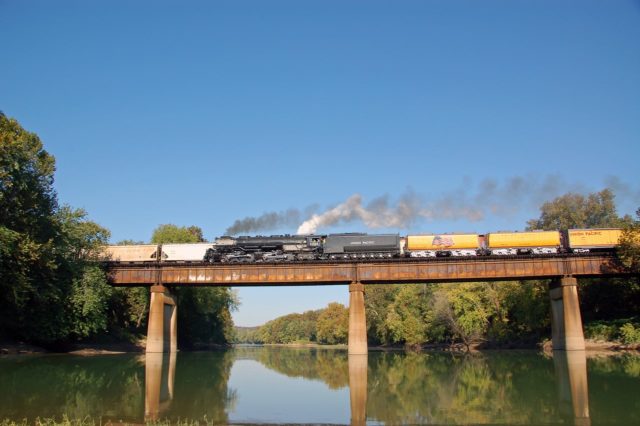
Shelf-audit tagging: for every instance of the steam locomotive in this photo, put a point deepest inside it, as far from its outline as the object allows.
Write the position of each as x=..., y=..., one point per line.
x=289, y=248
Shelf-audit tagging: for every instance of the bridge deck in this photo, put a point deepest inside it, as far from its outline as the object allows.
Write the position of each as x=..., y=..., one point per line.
x=388, y=271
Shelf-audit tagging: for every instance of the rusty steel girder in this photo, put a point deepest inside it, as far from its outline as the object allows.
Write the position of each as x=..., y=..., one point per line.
x=392, y=271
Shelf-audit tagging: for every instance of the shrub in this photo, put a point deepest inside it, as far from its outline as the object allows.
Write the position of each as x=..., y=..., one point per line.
x=630, y=334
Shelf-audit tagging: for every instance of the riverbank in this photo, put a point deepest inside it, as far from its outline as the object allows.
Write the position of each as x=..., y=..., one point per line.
x=21, y=348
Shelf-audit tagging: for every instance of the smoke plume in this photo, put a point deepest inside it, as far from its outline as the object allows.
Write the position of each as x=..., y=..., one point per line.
x=268, y=221
x=472, y=201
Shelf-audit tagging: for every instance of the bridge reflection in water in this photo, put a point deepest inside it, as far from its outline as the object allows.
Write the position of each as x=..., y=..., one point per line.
x=571, y=381
x=159, y=380
x=570, y=368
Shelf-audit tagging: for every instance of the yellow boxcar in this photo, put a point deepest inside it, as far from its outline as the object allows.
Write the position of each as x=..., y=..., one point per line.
x=134, y=253
x=442, y=242
x=523, y=239
x=593, y=238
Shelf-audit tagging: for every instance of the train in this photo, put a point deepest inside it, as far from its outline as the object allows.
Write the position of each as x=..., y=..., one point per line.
x=354, y=246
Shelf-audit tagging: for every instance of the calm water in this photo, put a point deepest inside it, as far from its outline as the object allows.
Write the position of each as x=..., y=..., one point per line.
x=284, y=385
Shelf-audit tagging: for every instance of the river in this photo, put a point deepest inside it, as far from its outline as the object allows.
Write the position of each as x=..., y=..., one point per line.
x=306, y=385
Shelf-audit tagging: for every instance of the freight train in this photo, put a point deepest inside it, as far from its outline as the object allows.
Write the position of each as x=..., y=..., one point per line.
x=289, y=248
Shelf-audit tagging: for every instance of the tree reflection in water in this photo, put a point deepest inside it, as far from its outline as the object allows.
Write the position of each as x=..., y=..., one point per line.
x=387, y=387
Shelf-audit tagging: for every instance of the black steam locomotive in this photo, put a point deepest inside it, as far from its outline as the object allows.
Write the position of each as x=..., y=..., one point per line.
x=285, y=248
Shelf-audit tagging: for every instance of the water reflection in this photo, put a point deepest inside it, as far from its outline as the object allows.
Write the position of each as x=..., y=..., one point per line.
x=284, y=385
x=358, y=365
x=571, y=381
x=159, y=378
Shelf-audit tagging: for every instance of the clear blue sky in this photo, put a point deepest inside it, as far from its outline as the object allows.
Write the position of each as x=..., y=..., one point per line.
x=201, y=113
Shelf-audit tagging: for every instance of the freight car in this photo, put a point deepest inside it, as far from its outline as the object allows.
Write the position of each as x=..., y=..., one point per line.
x=131, y=254
x=589, y=240
x=185, y=252
x=535, y=242
x=433, y=245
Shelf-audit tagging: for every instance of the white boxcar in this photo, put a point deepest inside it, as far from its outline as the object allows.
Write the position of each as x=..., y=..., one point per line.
x=185, y=252
x=133, y=253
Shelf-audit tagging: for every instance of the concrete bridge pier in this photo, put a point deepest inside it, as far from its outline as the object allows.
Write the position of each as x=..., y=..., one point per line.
x=566, y=322
x=162, y=331
x=357, y=320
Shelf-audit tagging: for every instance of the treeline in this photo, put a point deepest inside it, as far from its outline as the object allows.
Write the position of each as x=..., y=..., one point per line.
x=52, y=290
x=493, y=313
x=326, y=326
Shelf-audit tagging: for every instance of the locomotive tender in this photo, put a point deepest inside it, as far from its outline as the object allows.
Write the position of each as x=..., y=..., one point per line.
x=288, y=248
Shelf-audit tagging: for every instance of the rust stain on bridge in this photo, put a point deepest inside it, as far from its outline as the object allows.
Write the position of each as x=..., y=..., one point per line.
x=398, y=271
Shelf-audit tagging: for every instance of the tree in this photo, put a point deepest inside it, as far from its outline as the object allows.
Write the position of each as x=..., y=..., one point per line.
x=630, y=244
x=464, y=309
x=410, y=317
x=169, y=233
x=597, y=210
x=377, y=301
x=51, y=290
x=27, y=198
x=333, y=324
x=27, y=205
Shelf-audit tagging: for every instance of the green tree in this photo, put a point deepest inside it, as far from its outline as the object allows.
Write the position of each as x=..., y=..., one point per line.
x=377, y=301
x=291, y=328
x=630, y=244
x=596, y=210
x=27, y=206
x=169, y=233
x=411, y=318
x=78, y=245
x=49, y=289
x=27, y=198
x=333, y=324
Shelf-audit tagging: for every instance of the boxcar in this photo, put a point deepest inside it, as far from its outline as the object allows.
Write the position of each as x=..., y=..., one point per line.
x=538, y=242
x=134, y=253
x=185, y=252
x=432, y=245
x=585, y=240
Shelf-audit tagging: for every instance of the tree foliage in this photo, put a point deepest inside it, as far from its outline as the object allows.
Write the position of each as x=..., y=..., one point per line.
x=333, y=324
x=596, y=210
x=169, y=233
x=292, y=328
x=49, y=290
x=630, y=244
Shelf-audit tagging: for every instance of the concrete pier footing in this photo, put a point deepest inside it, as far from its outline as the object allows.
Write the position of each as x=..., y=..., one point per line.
x=357, y=320
x=566, y=322
x=162, y=331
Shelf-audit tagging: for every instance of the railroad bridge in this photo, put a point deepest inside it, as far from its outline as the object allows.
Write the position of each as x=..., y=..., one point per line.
x=562, y=270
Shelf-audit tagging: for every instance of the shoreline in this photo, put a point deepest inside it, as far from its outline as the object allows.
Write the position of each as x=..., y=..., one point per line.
x=592, y=347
